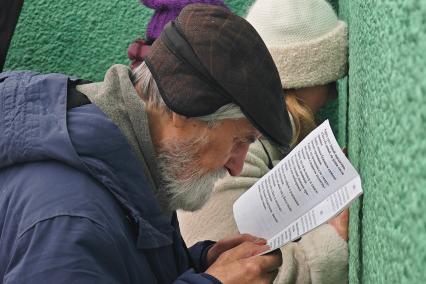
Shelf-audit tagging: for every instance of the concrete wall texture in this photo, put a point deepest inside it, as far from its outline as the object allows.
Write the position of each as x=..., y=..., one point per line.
x=380, y=115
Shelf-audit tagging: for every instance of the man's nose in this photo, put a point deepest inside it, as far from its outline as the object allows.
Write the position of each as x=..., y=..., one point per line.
x=236, y=162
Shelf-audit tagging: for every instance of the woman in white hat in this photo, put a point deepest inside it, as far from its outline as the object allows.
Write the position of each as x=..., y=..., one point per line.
x=309, y=46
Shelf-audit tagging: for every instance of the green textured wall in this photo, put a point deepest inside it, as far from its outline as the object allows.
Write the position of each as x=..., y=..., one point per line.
x=386, y=99
x=380, y=114
x=81, y=38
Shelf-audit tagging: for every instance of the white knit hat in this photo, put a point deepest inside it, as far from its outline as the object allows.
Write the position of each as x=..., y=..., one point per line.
x=306, y=40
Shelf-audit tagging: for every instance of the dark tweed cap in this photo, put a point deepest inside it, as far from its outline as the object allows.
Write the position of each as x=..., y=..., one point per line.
x=209, y=57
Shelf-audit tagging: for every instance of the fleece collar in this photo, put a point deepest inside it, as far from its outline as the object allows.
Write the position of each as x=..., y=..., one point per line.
x=118, y=99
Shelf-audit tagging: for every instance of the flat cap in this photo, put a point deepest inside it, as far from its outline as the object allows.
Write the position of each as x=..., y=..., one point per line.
x=209, y=57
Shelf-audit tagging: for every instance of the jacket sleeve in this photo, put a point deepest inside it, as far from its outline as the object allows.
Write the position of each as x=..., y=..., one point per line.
x=198, y=254
x=191, y=277
x=65, y=249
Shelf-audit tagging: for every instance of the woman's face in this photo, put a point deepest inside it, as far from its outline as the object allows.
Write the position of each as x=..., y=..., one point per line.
x=316, y=97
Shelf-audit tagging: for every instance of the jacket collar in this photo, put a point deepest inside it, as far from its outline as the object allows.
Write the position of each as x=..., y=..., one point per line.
x=118, y=99
x=84, y=138
x=109, y=158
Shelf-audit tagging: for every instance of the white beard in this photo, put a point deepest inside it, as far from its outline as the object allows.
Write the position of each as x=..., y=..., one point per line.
x=184, y=185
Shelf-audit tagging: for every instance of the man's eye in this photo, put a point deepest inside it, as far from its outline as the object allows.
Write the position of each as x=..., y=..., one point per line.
x=249, y=140
x=252, y=139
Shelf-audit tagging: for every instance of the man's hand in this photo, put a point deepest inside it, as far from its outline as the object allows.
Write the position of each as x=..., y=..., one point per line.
x=341, y=223
x=242, y=264
x=228, y=243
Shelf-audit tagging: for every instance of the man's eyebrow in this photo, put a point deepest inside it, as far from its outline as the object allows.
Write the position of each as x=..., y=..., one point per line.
x=250, y=138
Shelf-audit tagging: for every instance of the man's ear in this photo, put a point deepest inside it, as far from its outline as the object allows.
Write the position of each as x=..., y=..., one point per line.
x=179, y=121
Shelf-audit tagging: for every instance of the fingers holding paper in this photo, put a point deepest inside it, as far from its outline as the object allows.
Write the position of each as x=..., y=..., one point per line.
x=230, y=242
x=242, y=264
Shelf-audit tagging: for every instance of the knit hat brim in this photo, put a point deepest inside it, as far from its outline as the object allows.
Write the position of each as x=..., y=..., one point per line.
x=312, y=63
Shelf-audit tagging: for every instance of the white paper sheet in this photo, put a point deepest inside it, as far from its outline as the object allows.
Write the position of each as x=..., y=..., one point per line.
x=308, y=187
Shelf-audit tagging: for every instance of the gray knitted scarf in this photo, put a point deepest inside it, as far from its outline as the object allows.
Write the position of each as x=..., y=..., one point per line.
x=118, y=99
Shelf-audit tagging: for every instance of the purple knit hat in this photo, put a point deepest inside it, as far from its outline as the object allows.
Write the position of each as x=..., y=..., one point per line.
x=165, y=11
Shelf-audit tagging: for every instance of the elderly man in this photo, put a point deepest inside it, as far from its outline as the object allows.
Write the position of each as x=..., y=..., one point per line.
x=91, y=174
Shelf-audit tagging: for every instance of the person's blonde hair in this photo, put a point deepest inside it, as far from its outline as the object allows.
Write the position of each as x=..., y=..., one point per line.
x=303, y=118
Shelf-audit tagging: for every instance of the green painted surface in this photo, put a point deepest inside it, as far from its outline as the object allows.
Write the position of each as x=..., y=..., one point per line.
x=81, y=38
x=387, y=138
x=380, y=114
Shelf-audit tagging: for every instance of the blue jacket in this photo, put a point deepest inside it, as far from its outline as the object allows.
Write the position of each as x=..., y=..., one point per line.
x=74, y=204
